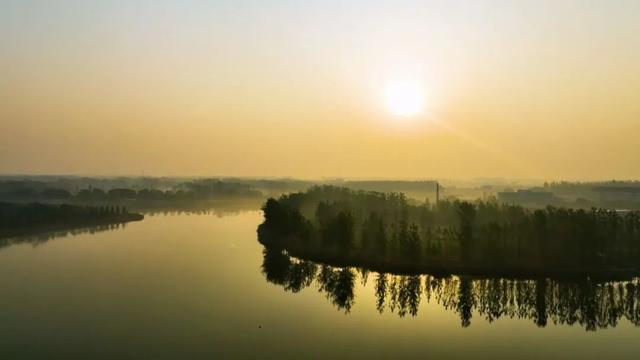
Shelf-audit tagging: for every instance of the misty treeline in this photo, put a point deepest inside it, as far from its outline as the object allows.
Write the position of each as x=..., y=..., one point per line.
x=50, y=188
x=585, y=302
x=22, y=190
x=582, y=189
x=34, y=216
x=53, y=188
x=347, y=227
x=613, y=194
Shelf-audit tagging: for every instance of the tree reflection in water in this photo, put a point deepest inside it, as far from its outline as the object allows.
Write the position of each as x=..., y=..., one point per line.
x=41, y=238
x=337, y=284
x=585, y=302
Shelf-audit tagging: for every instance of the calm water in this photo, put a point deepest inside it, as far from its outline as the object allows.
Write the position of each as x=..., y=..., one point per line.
x=192, y=286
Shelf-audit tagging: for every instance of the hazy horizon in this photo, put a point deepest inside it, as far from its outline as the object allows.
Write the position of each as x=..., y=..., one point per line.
x=475, y=179
x=509, y=89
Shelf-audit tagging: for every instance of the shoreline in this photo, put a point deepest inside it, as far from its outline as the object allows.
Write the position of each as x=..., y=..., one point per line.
x=45, y=228
x=444, y=268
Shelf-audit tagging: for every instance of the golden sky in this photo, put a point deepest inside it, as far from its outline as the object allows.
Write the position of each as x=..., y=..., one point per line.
x=528, y=89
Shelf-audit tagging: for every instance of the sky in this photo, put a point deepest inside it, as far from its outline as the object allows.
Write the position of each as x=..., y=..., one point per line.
x=522, y=89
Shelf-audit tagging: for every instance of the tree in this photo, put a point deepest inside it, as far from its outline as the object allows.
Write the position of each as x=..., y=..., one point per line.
x=466, y=214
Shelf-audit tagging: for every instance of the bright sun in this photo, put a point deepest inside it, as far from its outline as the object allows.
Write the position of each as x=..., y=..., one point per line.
x=404, y=98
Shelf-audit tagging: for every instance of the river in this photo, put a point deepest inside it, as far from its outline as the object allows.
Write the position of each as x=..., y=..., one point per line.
x=180, y=285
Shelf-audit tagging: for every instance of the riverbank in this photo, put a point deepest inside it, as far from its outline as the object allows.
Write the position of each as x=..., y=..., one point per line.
x=336, y=257
x=35, y=218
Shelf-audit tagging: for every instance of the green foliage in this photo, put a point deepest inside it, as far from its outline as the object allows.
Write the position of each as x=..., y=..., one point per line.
x=388, y=228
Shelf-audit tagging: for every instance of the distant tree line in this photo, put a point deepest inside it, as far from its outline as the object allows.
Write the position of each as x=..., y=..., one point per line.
x=589, y=194
x=585, y=302
x=362, y=227
x=186, y=191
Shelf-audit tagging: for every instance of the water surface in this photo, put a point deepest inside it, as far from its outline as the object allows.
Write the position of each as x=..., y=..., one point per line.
x=193, y=286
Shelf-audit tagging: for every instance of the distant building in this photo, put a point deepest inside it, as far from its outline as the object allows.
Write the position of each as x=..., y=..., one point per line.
x=618, y=193
x=527, y=197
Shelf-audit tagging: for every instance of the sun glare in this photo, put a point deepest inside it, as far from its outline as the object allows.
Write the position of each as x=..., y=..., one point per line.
x=404, y=98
